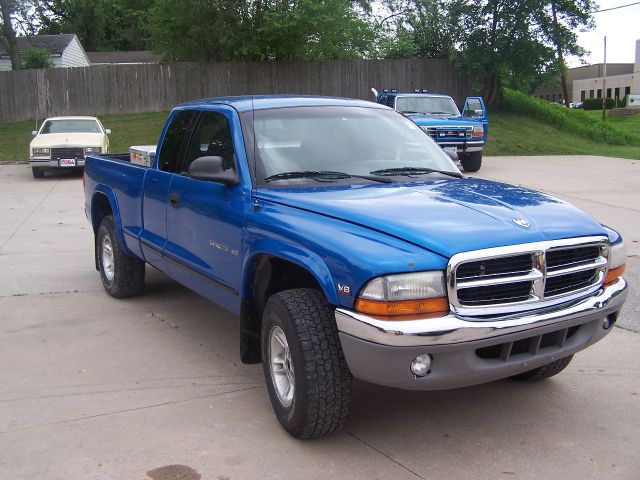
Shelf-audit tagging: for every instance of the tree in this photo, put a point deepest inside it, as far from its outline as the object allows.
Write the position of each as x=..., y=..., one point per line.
x=36, y=58
x=100, y=24
x=8, y=40
x=260, y=29
x=520, y=43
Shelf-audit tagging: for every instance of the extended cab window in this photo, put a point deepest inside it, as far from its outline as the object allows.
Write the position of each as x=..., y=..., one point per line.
x=211, y=138
x=174, y=140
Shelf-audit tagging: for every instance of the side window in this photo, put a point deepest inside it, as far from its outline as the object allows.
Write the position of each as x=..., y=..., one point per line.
x=211, y=138
x=390, y=101
x=174, y=139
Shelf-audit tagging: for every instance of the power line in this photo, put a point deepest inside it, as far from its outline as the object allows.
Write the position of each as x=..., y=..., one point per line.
x=616, y=8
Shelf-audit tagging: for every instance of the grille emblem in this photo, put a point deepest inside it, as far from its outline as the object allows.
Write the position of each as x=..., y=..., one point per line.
x=521, y=222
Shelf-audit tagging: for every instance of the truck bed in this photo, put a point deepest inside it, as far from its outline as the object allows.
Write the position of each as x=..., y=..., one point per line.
x=115, y=176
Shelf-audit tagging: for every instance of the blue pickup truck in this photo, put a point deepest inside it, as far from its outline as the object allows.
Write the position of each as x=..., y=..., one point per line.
x=462, y=134
x=350, y=245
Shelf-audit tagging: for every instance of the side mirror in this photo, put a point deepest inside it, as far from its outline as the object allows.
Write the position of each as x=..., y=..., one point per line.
x=34, y=132
x=212, y=170
x=107, y=131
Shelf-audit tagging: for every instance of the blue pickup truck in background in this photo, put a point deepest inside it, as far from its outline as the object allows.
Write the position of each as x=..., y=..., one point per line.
x=350, y=245
x=462, y=134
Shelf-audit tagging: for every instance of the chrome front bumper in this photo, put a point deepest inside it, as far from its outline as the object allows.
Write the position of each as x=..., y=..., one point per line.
x=48, y=163
x=454, y=329
x=463, y=147
x=380, y=351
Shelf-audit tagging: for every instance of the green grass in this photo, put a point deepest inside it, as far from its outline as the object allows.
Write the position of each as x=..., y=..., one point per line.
x=126, y=130
x=629, y=124
x=573, y=121
x=515, y=134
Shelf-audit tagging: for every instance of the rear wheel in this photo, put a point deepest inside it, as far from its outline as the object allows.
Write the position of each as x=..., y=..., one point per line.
x=122, y=275
x=471, y=161
x=37, y=172
x=545, y=371
x=307, y=377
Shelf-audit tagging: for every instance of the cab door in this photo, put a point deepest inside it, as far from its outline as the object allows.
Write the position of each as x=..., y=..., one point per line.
x=205, y=219
x=474, y=108
x=156, y=186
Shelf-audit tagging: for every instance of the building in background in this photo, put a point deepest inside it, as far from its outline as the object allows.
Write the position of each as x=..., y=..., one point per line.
x=587, y=82
x=65, y=50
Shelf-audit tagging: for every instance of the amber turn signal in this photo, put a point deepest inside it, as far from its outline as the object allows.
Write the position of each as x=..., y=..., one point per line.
x=427, y=308
x=613, y=274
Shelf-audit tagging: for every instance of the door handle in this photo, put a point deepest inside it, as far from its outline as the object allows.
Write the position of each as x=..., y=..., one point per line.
x=174, y=199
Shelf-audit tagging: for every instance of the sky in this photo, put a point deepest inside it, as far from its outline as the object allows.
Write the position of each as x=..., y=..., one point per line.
x=622, y=29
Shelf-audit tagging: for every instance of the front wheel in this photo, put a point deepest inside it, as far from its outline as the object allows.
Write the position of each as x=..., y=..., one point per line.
x=471, y=161
x=122, y=275
x=37, y=172
x=307, y=377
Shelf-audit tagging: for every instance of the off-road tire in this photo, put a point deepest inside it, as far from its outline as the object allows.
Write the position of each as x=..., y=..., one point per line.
x=322, y=393
x=471, y=162
x=545, y=371
x=37, y=172
x=128, y=271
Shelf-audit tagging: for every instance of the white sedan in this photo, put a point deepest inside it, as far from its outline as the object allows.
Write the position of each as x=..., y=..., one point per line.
x=63, y=142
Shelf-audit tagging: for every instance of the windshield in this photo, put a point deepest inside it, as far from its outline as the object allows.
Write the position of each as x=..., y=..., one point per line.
x=70, y=126
x=351, y=140
x=427, y=105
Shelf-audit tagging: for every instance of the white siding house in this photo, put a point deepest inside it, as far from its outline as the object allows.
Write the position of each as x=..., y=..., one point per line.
x=65, y=50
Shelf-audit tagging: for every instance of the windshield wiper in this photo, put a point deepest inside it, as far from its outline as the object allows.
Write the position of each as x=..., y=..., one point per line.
x=326, y=174
x=414, y=171
x=440, y=113
x=411, y=112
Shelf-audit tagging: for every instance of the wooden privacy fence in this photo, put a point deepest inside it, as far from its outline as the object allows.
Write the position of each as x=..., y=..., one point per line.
x=115, y=89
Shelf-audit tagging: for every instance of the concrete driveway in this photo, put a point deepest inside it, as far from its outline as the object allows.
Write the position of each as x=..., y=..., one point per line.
x=152, y=387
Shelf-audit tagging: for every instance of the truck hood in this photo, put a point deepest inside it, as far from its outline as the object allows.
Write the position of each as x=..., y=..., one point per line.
x=421, y=119
x=448, y=216
x=68, y=140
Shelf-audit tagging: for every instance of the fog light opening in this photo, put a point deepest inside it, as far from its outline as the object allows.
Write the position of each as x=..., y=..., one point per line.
x=421, y=365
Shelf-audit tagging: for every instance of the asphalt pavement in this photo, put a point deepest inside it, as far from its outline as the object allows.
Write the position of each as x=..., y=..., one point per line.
x=152, y=387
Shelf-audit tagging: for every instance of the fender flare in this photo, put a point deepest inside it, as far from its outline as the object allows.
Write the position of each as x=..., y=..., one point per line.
x=295, y=254
x=107, y=192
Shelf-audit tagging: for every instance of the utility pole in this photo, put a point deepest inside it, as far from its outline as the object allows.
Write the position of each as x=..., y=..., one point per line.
x=604, y=81
x=563, y=67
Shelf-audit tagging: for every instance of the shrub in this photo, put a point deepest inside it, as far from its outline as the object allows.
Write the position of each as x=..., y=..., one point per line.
x=36, y=58
x=567, y=119
x=596, y=103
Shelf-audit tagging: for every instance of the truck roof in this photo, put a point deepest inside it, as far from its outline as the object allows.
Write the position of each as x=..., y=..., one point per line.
x=261, y=102
x=412, y=94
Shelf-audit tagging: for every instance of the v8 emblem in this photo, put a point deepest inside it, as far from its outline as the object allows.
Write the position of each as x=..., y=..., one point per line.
x=344, y=290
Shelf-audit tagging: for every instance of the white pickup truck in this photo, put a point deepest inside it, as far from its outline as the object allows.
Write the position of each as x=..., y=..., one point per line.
x=63, y=142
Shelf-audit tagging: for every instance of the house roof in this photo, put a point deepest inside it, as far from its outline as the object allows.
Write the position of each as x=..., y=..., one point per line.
x=106, y=58
x=53, y=44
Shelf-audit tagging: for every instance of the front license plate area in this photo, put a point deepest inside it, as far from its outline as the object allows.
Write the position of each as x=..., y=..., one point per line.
x=450, y=149
x=67, y=162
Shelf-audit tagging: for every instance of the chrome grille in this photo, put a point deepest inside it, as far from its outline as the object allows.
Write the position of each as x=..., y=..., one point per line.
x=521, y=277
x=69, y=152
x=448, y=132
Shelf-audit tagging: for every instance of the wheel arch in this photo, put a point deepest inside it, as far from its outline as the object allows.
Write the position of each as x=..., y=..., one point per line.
x=104, y=203
x=270, y=269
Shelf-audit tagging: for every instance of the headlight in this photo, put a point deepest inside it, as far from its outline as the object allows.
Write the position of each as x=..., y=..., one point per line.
x=93, y=150
x=478, y=131
x=41, y=151
x=617, y=262
x=420, y=293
